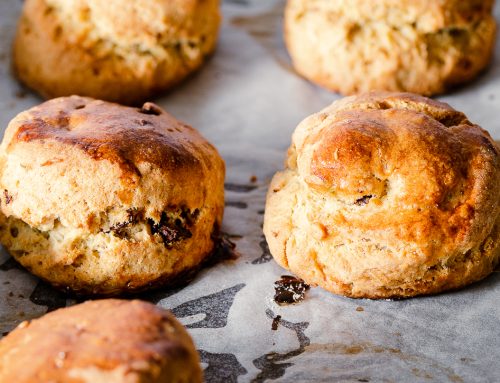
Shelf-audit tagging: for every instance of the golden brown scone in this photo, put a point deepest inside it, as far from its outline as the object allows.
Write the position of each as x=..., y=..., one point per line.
x=106, y=341
x=387, y=195
x=420, y=46
x=121, y=51
x=100, y=198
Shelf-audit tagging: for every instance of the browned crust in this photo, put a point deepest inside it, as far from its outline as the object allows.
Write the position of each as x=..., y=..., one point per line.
x=438, y=149
x=47, y=61
x=435, y=77
x=387, y=195
x=134, y=338
x=75, y=168
x=106, y=131
x=471, y=267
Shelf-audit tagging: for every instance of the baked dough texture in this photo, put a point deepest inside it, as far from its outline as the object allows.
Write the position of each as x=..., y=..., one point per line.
x=106, y=341
x=387, y=195
x=420, y=46
x=99, y=198
x=121, y=51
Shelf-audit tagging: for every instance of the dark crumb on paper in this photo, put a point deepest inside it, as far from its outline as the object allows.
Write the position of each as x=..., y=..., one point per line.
x=289, y=290
x=253, y=179
x=466, y=360
x=224, y=250
x=21, y=93
x=276, y=322
x=363, y=380
x=360, y=309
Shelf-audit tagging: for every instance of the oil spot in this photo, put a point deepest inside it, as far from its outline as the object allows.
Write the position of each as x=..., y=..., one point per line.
x=420, y=366
x=421, y=374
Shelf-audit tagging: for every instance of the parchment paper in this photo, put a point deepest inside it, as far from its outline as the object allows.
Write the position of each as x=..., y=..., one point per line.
x=247, y=101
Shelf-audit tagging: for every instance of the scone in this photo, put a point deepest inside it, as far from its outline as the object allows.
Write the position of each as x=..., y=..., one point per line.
x=387, y=195
x=418, y=46
x=106, y=341
x=99, y=198
x=121, y=51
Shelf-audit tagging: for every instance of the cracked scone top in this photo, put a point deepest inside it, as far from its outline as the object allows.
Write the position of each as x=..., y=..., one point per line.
x=103, y=341
x=101, y=198
x=122, y=51
x=387, y=195
x=420, y=46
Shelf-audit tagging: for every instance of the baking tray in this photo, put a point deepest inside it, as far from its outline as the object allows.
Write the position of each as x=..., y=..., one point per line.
x=247, y=101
